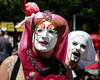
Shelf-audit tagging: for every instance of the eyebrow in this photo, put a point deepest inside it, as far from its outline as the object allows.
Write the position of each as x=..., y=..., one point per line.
x=50, y=26
x=41, y=26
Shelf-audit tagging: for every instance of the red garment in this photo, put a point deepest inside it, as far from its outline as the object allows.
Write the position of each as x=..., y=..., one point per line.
x=95, y=39
x=28, y=68
x=92, y=66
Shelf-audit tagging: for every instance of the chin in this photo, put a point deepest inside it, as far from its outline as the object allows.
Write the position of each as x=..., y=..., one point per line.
x=75, y=61
x=42, y=49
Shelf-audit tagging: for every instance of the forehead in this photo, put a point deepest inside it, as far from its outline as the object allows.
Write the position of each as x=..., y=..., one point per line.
x=80, y=39
x=59, y=25
x=46, y=25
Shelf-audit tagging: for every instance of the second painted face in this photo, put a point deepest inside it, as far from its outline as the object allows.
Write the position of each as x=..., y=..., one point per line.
x=45, y=36
x=77, y=47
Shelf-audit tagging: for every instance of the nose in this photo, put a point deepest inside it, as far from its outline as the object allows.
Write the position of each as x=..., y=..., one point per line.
x=45, y=39
x=78, y=47
x=44, y=33
x=45, y=36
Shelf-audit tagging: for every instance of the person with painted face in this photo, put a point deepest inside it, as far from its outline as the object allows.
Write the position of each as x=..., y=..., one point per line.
x=42, y=50
x=81, y=53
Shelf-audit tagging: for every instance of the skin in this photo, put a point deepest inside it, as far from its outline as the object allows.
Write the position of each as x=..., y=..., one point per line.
x=4, y=70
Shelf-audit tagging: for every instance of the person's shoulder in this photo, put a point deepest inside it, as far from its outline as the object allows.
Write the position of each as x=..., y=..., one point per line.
x=9, y=60
x=6, y=68
x=2, y=39
x=6, y=62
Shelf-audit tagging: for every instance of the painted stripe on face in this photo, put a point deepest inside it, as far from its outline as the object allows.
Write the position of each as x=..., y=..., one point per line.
x=51, y=27
x=41, y=26
x=46, y=26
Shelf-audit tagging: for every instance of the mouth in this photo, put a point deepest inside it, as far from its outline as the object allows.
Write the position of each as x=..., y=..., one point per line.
x=75, y=56
x=43, y=43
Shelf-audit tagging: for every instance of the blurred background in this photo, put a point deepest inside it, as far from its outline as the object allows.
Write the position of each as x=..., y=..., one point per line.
x=85, y=12
x=80, y=14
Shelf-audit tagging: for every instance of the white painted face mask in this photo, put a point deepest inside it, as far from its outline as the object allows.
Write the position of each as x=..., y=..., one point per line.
x=45, y=37
x=88, y=56
x=77, y=47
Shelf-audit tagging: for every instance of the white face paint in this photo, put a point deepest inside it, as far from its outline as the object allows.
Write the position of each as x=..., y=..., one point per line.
x=45, y=37
x=77, y=47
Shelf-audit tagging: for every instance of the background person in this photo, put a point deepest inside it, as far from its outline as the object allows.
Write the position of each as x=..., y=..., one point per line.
x=81, y=53
x=5, y=48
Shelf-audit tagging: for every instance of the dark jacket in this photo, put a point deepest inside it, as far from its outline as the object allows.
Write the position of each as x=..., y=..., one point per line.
x=5, y=49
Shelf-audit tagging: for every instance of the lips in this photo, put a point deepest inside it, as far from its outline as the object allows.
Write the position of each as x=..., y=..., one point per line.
x=43, y=43
x=75, y=56
x=76, y=53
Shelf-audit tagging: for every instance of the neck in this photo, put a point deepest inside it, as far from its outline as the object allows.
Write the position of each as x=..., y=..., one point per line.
x=44, y=55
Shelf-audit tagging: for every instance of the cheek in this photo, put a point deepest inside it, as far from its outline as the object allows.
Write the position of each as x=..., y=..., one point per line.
x=52, y=36
x=40, y=33
x=53, y=40
x=71, y=46
x=83, y=51
x=35, y=38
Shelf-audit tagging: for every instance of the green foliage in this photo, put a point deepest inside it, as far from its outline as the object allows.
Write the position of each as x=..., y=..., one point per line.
x=87, y=12
x=84, y=27
x=10, y=11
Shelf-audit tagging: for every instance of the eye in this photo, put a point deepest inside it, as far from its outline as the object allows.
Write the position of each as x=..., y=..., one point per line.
x=83, y=46
x=51, y=31
x=39, y=30
x=75, y=43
